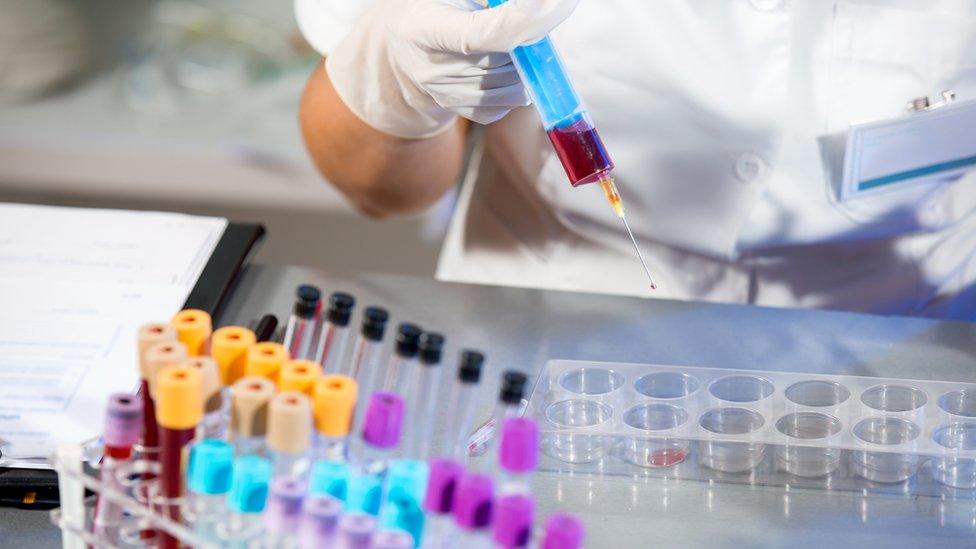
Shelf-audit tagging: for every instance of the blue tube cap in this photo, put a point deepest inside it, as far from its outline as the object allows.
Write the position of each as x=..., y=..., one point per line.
x=365, y=494
x=210, y=467
x=330, y=478
x=406, y=486
x=249, y=486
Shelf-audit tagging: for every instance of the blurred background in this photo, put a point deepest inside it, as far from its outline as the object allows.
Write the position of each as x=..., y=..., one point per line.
x=186, y=106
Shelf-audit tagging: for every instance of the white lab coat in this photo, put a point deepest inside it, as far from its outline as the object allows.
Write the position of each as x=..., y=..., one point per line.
x=726, y=120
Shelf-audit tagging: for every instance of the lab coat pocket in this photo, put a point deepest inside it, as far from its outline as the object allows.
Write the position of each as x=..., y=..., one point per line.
x=880, y=59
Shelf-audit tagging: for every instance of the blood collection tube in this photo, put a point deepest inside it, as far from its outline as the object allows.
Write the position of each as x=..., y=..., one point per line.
x=355, y=531
x=283, y=513
x=445, y=474
x=562, y=532
x=265, y=328
x=334, y=407
x=422, y=399
x=208, y=480
x=246, y=500
x=299, y=336
x=403, y=494
x=123, y=427
x=512, y=521
x=403, y=358
x=381, y=434
x=369, y=345
x=289, y=434
x=392, y=539
x=229, y=346
x=518, y=455
x=331, y=347
x=265, y=359
x=216, y=408
x=179, y=408
x=149, y=336
x=193, y=328
x=509, y=405
x=460, y=409
x=299, y=375
x=249, y=414
x=330, y=478
x=472, y=512
x=320, y=517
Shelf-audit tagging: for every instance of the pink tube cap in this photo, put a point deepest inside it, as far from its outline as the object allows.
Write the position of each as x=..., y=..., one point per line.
x=384, y=419
x=512, y=521
x=472, y=502
x=441, y=485
x=563, y=532
x=123, y=420
x=519, y=450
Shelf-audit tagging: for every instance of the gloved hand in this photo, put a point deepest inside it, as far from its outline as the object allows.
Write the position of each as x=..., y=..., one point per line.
x=410, y=67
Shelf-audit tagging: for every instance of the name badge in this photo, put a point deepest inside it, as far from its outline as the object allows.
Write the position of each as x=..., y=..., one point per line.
x=928, y=147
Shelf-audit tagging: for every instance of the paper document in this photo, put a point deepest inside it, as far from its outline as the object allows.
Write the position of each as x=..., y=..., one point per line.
x=75, y=285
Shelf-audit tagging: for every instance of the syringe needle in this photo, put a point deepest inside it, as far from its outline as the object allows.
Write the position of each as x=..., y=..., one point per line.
x=613, y=196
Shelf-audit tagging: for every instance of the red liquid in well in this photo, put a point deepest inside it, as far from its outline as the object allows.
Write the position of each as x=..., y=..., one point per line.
x=581, y=152
x=666, y=458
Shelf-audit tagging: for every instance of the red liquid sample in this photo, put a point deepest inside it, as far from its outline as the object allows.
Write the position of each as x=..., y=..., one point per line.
x=150, y=431
x=171, y=442
x=581, y=152
x=666, y=458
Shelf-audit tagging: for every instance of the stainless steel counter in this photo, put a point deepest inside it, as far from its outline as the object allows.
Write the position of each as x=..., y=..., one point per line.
x=523, y=329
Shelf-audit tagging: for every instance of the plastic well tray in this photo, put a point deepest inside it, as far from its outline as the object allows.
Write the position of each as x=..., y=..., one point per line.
x=758, y=427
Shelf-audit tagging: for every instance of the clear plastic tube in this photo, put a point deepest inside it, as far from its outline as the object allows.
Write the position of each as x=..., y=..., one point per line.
x=421, y=413
x=367, y=357
x=290, y=465
x=299, y=337
x=330, y=448
x=331, y=348
x=460, y=416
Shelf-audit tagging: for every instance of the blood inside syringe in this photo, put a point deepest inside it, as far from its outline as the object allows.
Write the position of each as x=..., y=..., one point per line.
x=581, y=152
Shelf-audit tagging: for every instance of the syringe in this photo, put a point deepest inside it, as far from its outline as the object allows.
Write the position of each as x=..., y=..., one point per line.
x=568, y=124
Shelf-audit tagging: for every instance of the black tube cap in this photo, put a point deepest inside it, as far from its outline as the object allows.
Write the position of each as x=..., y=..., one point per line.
x=306, y=300
x=469, y=367
x=340, y=308
x=513, y=387
x=408, y=340
x=374, y=323
x=431, y=346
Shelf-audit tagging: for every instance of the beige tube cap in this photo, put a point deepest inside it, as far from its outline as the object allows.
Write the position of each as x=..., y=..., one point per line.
x=290, y=422
x=249, y=409
x=149, y=335
x=159, y=356
x=228, y=346
x=210, y=380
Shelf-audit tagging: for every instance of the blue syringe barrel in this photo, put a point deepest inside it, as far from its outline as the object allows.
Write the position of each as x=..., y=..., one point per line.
x=565, y=119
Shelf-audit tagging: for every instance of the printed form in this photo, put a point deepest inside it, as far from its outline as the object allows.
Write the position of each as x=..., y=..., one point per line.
x=75, y=285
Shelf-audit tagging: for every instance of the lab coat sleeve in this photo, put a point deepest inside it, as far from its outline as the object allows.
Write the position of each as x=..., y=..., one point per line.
x=324, y=22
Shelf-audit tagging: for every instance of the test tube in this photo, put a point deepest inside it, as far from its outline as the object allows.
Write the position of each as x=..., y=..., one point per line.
x=509, y=405
x=563, y=532
x=330, y=478
x=422, y=399
x=369, y=344
x=320, y=517
x=289, y=433
x=404, y=357
x=300, y=331
x=208, y=481
x=380, y=435
x=123, y=426
x=193, y=329
x=460, y=410
x=355, y=531
x=299, y=375
x=518, y=455
x=472, y=511
x=249, y=416
x=392, y=539
x=216, y=411
x=283, y=513
x=335, y=405
x=246, y=500
x=266, y=359
x=229, y=346
x=512, y=520
x=149, y=336
x=331, y=347
x=404, y=488
x=445, y=474
x=179, y=408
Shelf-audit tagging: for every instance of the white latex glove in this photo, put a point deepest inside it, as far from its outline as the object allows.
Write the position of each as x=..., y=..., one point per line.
x=410, y=67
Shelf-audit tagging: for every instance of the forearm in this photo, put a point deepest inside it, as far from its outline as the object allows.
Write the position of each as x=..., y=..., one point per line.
x=380, y=174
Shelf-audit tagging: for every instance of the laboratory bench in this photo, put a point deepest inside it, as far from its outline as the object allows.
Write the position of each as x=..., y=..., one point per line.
x=523, y=329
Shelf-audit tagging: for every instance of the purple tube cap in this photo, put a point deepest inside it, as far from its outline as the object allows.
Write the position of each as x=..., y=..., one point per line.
x=563, y=532
x=284, y=504
x=392, y=539
x=123, y=420
x=356, y=530
x=512, y=520
x=519, y=450
x=384, y=419
x=320, y=513
x=472, y=502
x=442, y=485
